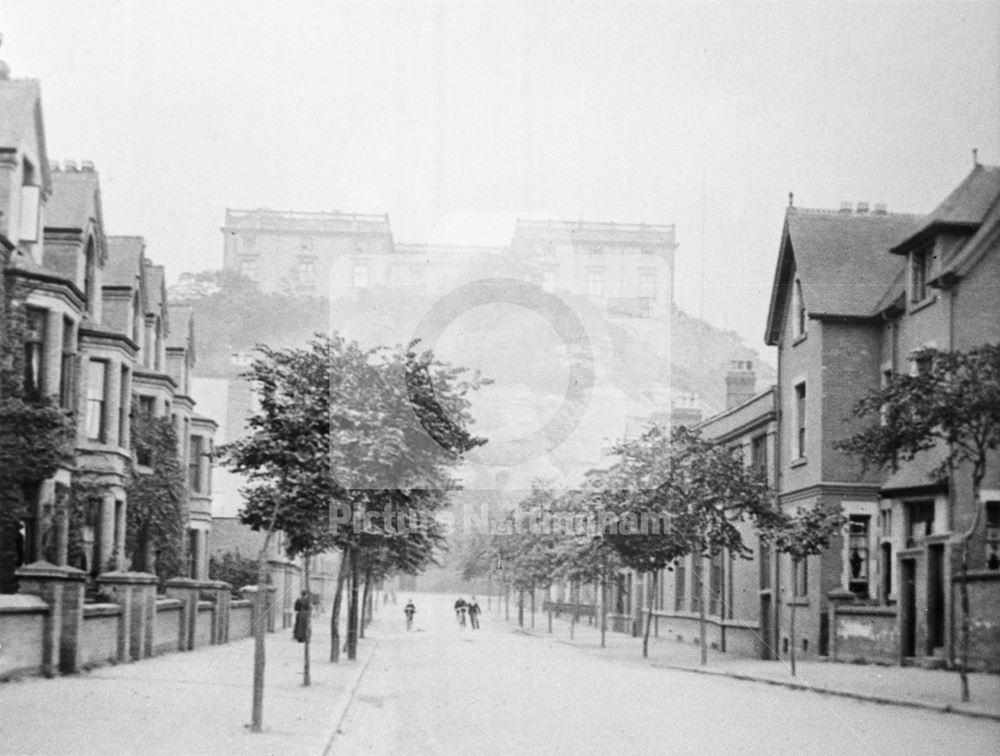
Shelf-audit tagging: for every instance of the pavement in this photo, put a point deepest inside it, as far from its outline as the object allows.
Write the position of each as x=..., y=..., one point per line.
x=197, y=702
x=936, y=690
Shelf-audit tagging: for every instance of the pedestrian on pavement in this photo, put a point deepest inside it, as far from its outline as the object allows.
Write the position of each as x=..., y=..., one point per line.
x=474, y=612
x=302, y=609
x=460, y=607
x=409, y=610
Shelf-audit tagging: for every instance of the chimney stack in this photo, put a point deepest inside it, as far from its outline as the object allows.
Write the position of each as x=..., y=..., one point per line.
x=741, y=383
x=862, y=208
x=880, y=209
x=846, y=207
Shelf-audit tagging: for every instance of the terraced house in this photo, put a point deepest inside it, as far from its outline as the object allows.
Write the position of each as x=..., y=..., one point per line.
x=87, y=328
x=857, y=291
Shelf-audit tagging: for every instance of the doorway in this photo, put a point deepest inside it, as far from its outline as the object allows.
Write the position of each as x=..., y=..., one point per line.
x=935, y=598
x=907, y=608
x=766, y=635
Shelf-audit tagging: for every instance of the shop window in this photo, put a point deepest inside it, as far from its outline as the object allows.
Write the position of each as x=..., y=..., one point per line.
x=857, y=555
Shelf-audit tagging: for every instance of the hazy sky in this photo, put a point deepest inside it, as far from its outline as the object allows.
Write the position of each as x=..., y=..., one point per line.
x=701, y=114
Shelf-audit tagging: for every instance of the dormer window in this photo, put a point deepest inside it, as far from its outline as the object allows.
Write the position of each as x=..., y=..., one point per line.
x=920, y=268
x=798, y=310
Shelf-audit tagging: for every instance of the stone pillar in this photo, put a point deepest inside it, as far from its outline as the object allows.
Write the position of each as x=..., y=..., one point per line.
x=188, y=591
x=837, y=598
x=272, y=609
x=220, y=617
x=120, y=525
x=135, y=592
x=107, y=537
x=62, y=589
x=62, y=524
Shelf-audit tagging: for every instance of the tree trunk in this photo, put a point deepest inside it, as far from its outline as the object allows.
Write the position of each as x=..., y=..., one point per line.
x=335, y=609
x=520, y=608
x=702, y=635
x=259, y=628
x=305, y=647
x=649, y=614
x=791, y=621
x=574, y=592
x=532, y=606
x=550, y=615
x=506, y=601
x=604, y=606
x=963, y=587
x=364, y=604
x=352, y=609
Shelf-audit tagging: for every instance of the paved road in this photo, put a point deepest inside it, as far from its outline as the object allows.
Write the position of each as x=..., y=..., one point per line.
x=442, y=690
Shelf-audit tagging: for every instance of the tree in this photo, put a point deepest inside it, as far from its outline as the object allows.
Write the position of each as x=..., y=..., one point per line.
x=156, y=513
x=807, y=533
x=233, y=568
x=951, y=404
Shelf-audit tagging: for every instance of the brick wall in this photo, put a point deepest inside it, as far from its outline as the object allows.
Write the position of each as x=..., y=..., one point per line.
x=99, y=634
x=22, y=619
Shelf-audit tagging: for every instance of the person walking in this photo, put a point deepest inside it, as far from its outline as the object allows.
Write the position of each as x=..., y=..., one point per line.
x=303, y=607
x=409, y=610
x=474, y=612
x=460, y=612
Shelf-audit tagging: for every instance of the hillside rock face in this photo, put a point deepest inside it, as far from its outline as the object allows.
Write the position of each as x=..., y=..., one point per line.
x=566, y=381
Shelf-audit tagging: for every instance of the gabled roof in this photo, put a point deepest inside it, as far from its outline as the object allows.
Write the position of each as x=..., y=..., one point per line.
x=964, y=208
x=75, y=205
x=181, y=328
x=986, y=239
x=841, y=260
x=126, y=255
x=20, y=111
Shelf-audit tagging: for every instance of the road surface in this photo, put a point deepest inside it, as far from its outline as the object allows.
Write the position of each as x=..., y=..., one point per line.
x=441, y=689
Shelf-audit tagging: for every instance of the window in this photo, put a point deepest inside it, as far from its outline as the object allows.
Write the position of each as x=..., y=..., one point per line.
x=680, y=584
x=249, y=242
x=306, y=270
x=798, y=310
x=919, y=270
x=248, y=266
x=920, y=521
x=67, y=366
x=800, y=420
x=758, y=455
x=96, y=382
x=885, y=555
x=857, y=555
x=696, y=586
x=123, y=407
x=595, y=283
x=359, y=275
x=764, y=555
x=147, y=406
x=89, y=273
x=801, y=577
x=194, y=463
x=647, y=283
x=34, y=353
x=306, y=243
x=30, y=196
x=993, y=535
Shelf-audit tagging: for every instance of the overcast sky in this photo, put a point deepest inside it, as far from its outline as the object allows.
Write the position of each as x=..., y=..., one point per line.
x=700, y=114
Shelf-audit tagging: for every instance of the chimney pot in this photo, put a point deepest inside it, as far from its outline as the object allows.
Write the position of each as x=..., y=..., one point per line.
x=54, y=166
x=862, y=208
x=880, y=208
x=69, y=165
x=86, y=165
x=846, y=207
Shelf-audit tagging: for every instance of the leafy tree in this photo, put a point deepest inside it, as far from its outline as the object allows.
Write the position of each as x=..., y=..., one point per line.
x=805, y=534
x=951, y=404
x=156, y=513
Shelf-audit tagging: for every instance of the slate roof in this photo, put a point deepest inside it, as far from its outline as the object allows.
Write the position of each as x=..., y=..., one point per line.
x=21, y=110
x=966, y=206
x=125, y=259
x=842, y=260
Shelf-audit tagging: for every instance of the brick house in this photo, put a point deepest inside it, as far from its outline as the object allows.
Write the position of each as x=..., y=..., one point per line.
x=855, y=293
x=96, y=322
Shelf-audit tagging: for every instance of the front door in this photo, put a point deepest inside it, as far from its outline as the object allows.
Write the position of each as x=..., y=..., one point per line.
x=766, y=641
x=935, y=598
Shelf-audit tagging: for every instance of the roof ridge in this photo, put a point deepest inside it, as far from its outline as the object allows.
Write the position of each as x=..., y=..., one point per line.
x=796, y=210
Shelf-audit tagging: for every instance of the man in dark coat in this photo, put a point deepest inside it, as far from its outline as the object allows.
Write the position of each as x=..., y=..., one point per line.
x=460, y=611
x=302, y=609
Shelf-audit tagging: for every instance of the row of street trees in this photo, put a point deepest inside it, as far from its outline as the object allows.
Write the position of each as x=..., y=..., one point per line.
x=350, y=447
x=668, y=496
x=700, y=492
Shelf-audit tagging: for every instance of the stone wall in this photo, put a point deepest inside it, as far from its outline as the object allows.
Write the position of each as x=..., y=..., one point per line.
x=866, y=633
x=167, y=627
x=99, y=634
x=240, y=619
x=22, y=619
